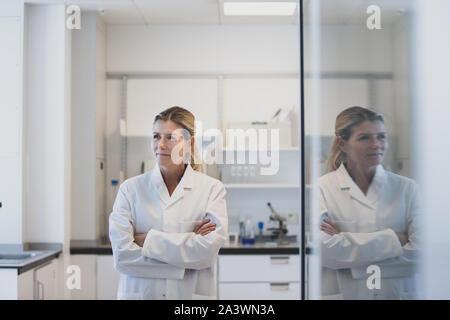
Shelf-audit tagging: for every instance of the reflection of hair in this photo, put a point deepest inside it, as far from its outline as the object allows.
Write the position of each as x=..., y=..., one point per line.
x=186, y=120
x=345, y=122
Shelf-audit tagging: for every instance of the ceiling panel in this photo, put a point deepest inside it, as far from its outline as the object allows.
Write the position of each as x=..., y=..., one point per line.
x=179, y=11
x=159, y=12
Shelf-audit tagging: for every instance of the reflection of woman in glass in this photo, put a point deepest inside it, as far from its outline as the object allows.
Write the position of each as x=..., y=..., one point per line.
x=168, y=224
x=368, y=215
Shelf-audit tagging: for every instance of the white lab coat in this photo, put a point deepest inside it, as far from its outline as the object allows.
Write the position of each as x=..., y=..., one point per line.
x=174, y=262
x=368, y=224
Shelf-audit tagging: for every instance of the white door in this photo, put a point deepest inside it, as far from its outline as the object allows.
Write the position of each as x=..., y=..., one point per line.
x=107, y=278
x=45, y=284
x=26, y=285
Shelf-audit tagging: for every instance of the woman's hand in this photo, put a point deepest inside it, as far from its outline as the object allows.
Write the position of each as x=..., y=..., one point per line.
x=203, y=228
x=402, y=237
x=329, y=227
x=139, y=239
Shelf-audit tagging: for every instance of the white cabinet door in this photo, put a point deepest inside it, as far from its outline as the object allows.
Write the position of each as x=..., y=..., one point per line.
x=107, y=278
x=26, y=285
x=259, y=268
x=259, y=291
x=259, y=277
x=88, y=286
x=8, y=284
x=45, y=285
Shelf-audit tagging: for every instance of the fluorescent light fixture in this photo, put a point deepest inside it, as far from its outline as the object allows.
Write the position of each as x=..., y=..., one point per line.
x=259, y=8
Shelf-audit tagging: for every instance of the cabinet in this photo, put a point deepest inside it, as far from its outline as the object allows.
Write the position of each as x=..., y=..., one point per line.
x=36, y=284
x=88, y=280
x=99, y=279
x=259, y=277
x=259, y=291
x=45, y=282
x=107, y=278
x=26, y=285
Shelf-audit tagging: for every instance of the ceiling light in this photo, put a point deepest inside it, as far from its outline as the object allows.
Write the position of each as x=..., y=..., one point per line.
x=259, y=8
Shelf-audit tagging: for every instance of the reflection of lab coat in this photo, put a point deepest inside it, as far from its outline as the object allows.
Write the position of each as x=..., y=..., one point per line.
x=368, y=224
x=174, y=262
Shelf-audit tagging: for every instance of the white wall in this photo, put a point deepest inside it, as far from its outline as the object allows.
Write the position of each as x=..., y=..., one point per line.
x=47, y=65
x=11, y=127
x=348, y=50
x=402, y=62
x=88, y=127
x=211, y=48
x=100, y=128
x=352, y=48
x=113, y=143
x=83, y=128
x=431, y=131
x=47, y=108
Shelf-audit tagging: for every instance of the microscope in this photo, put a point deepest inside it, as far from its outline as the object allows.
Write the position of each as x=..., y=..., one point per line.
x=281, y=231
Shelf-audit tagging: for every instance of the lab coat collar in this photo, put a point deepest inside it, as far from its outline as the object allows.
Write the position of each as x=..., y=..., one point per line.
x=373, y=194
x=186, y=182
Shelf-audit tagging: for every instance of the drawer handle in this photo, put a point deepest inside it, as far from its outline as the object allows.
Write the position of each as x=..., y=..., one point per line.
x=279, y=286
x=279, y=259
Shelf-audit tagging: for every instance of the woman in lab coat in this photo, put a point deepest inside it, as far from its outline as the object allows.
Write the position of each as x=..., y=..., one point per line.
x=167, y=225
x=369, y=216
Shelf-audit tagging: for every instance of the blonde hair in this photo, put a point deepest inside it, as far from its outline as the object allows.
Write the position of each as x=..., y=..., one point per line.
x=185, y=119
x=345, y=122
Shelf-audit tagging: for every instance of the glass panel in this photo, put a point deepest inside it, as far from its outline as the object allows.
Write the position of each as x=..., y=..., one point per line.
x=240, y=78
x=362, y=210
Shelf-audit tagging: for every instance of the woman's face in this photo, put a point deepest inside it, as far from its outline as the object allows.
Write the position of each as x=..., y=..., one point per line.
x=168, y=143
x=366, y=146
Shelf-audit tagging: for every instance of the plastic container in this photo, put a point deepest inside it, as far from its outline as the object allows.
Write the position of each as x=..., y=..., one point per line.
x=249, y=234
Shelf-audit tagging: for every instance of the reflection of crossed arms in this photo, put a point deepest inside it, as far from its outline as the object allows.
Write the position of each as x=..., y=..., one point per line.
x=393, y=265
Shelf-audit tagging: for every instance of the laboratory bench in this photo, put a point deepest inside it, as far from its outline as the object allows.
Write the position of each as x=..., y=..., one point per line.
x=104, y=248
x=243, y=272
x=27, y=256
x=29, y=271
